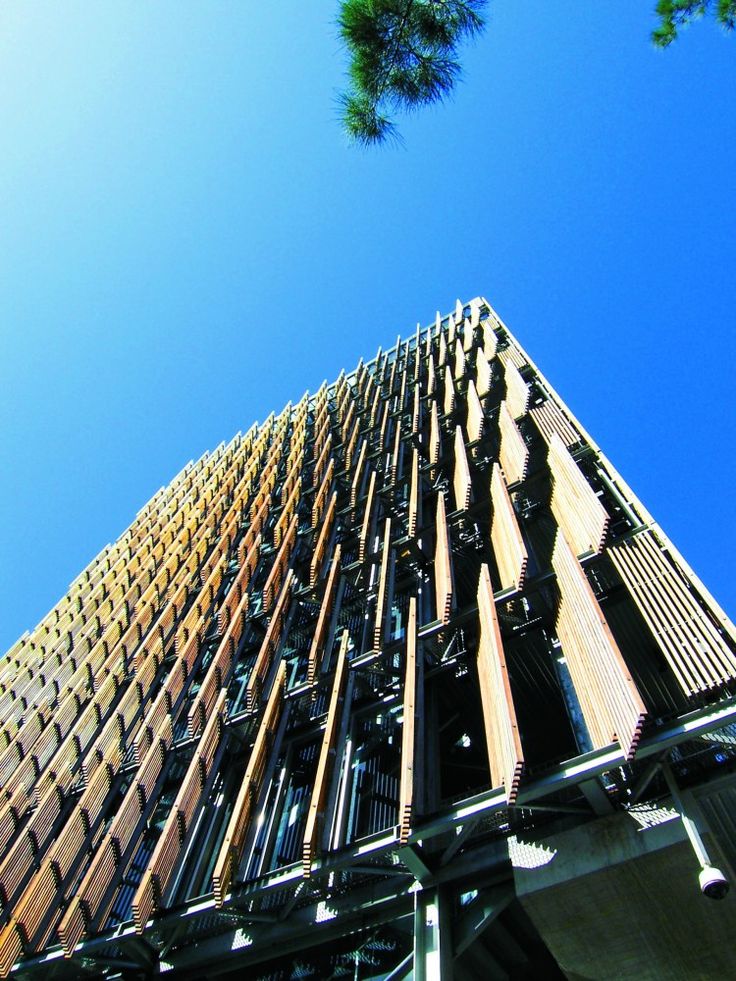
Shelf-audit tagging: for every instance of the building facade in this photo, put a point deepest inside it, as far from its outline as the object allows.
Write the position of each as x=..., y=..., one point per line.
x=403, y=682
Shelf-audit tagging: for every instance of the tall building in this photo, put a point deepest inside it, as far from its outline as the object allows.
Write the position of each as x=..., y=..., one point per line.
x=404, y=682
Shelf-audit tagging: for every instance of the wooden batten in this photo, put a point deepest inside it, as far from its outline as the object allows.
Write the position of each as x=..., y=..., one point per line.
x=508, y=545
x=690, y=641
x=443, y=585
x=505, y=754
x=326, y=763
x=461, y=482
x=517, y=390
x=379, y=624
x=513, y=451
x=609, y=699
x=406, y=779
x=435, y=436
x=578, y=511
x=230, y=852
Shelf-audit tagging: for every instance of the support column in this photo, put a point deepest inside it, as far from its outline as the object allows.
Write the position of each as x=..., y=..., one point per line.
x=432, y=935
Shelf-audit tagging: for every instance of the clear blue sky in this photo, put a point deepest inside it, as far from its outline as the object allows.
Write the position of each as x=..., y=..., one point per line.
x=187, y=242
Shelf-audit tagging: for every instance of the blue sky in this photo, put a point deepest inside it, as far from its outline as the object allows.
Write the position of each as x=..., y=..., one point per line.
x=187, y=242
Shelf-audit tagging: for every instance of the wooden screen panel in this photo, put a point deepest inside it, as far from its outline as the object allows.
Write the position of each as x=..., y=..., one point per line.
x=322, y=541
x=166, y=854
x=517, y=391
x=448, y=406
x=442, y=564
x=416, y=416
x=406, y=779
x=475, y=413
x=505, y=754
x=325, y=612
x=435, y=437
x=442, y=350
x=468, y=329
x=508, y=545
x=431, y=376
x=549, y=419
x=611, y=704
x=367, y=519
x=326, y=763
x=396, y=453
x=490, y=341
x=379, y=624
x=414, y=494
x=459, y=363
x=270, y=643
x=320, y=499
x=461, y=482
x=688, y=638
x=358, y=475
x=513, y=451
x=229, y=855
x=578, y=511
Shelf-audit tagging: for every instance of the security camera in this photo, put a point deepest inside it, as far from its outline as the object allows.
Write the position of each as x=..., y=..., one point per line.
x=713, y=883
